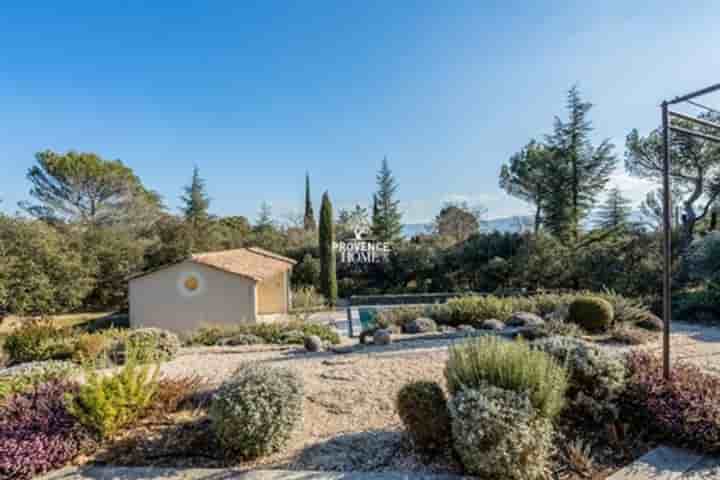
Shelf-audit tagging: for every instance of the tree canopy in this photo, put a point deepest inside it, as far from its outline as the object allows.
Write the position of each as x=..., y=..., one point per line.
x=83, y=188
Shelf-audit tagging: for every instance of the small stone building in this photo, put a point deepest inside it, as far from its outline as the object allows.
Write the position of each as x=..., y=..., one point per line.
x=229, y=287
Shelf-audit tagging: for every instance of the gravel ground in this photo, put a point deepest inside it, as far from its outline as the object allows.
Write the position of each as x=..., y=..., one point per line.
x=350, y=422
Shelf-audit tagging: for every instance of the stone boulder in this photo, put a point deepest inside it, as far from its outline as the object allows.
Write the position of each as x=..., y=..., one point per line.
x=313, y=343
x=382, y=337
x=525, y=319
x=420, y=325
x=492, y=324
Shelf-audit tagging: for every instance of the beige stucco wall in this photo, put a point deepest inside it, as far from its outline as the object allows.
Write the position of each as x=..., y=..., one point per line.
x=159, y=300
x=272, y=294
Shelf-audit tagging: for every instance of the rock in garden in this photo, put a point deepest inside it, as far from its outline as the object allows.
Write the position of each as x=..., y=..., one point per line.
x=525, y=319
x=650, y=322
x=313, y=343
x=382, y=337
x=492, y=324
x=421, y=325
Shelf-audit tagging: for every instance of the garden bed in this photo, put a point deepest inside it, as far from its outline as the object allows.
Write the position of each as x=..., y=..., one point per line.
x=350, y=419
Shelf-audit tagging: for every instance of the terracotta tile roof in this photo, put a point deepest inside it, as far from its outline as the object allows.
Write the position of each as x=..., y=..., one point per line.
x=255, y=263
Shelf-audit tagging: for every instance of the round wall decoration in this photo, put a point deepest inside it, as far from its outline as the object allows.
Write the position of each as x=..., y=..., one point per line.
x=191, y=283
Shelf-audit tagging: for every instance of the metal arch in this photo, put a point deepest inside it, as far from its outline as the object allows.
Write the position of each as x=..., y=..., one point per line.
x=667, y=214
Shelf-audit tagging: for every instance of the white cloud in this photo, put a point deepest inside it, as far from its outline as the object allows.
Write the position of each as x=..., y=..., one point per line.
x=636, y=189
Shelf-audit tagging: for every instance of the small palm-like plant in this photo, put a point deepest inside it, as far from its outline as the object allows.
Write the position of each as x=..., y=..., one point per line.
x=105, y=404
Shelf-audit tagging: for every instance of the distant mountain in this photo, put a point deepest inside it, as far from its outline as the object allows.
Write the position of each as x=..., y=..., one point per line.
x=504, y=224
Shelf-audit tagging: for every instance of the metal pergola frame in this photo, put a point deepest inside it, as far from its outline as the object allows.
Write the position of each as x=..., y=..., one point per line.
x=667, y=115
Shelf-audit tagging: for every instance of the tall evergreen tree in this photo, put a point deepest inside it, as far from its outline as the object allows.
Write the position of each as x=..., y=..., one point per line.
x=309, y=218
x=580, y=171
x=195, y=201
x=326, y=236
x=615, y=212
x=386, y=221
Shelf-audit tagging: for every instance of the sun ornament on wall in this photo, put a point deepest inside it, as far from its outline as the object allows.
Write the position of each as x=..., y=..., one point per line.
x=190, y=283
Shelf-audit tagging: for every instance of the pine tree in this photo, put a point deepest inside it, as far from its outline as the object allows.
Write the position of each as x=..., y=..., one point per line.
x=196, y=201
x=264, y=220
x=580, y=171
x=615, y=212
x=386, y=221
x=525, y=177
x=326, y=235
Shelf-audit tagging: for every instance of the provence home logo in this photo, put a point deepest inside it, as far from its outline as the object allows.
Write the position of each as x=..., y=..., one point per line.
x=361, y=249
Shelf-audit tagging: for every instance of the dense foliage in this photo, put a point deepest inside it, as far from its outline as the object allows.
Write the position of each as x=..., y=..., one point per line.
x=514, y=366
x=275, y=333
x=37, y=433
x=423, y=409
x=591, y=313
x=596, y=381
x=498, y=434
x=106, y=403
x=255, y=412
x=683, y=410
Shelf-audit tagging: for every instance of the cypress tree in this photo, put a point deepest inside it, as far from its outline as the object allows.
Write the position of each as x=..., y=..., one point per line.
x=309, y=219
x=386, y=221
x=326, y=235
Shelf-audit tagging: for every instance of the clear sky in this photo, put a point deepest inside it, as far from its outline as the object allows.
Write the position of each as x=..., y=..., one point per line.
x=256, y=93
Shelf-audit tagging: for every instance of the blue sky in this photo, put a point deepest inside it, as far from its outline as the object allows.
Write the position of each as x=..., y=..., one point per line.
x=256, y=93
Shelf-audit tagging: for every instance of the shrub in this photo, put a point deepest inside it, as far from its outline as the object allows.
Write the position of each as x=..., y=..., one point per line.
x=629, y=335
x=36, y=342
x=591, y=313
x=24, y=377
x=508, y=365
x=242, y=339
x=37, y=433
x=255, y=412
x=422, y=407
x=597, y=378
x=555, y=327
x=96, y=348
x=497, y=434
x=625, y=310
x=397, y=316
x=683, y=410
x=273, y=333
x=174, y=392
x=106, y=404
x=148, y=345
x=307, y=298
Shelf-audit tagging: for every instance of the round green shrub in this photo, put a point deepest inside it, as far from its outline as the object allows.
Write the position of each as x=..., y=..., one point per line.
x=591, y=313
x=597, y=378
x=255, y=412
x=422, y=407
x=498, y=434
x=148, y=345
